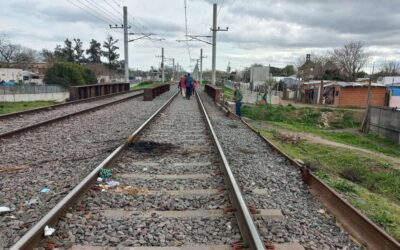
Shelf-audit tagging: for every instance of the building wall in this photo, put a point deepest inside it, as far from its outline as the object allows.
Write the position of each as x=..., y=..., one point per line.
x=34, y=97
x=357, y=96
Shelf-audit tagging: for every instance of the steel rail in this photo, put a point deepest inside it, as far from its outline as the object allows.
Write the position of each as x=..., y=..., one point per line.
x=356, y=223
x=26, y=128
x=55, y=106
x=30, y=239
x=248, y=230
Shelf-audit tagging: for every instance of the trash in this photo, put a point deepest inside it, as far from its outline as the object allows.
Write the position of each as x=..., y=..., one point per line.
x=105, y=173
x=45, y=190
x=99, y=179
x=321, y=211
x=112, y=183
x=48, y=231
x=33, y=201
x=144, y=169
x=131, y=190
x=4, y=210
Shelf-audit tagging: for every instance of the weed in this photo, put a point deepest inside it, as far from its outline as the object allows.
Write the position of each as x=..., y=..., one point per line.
x=353, y=174
x=322, y=175
x=343, y=186
x=382, y=218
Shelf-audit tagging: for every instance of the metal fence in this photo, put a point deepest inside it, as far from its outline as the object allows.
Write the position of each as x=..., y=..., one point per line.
x=385, y=122
x=31, y=89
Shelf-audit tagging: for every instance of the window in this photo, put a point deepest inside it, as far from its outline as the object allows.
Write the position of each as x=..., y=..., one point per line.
x=336, y=93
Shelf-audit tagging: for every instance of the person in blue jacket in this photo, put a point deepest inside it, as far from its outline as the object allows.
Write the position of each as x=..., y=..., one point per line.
x=189, y=86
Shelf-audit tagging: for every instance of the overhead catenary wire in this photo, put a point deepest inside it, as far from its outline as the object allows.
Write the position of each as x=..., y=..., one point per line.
x=112, y=7
x=89, y=12
x=112, y=16
x=98, y=13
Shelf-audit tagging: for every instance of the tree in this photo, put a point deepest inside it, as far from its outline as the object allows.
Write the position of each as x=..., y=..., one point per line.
x=78, y=51
x=390, y=68
x=288, y=70
x=68, y=74
x=68, y=51
x=110, y=50
x=48, y=56
x=94, y=52
x=25, y=55
x=350, y=59
x=7, y=50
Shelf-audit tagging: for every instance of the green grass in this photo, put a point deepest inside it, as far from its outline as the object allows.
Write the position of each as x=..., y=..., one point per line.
x=228, y=93
x=308, y=119
x=143, y=85
x=11, y=107
x=368, y=183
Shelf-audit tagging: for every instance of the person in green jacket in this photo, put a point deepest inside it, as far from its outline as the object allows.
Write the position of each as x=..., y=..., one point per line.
x=237, y=97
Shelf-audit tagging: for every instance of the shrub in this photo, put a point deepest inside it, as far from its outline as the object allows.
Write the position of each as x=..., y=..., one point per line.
x=68, y=74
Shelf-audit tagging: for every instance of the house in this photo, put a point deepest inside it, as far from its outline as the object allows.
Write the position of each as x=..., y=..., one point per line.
x=390, y=80
x=344, y=94
x=20, y=76
x=394, y=99
x=354, y=94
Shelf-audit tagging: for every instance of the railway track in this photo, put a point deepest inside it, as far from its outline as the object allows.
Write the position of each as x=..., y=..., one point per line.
x=11, y=124
x=174, y=174
x=177, y=189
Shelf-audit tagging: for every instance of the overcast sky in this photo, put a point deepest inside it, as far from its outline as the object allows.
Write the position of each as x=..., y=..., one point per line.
x=260, y=31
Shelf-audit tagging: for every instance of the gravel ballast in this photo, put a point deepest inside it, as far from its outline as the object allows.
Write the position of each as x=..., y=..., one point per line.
x=176, y=143
x=256, y=165
x=57, y=157
x=28, y=119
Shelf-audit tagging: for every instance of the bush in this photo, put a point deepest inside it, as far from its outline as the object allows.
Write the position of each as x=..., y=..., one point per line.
x=69, y=74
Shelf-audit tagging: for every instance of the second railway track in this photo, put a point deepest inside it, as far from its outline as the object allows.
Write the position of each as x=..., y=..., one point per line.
x=22, y=121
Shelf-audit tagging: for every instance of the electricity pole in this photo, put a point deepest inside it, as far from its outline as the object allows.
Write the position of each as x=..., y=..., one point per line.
x=201, y=65
x=126, y=44
x=162, y=65
x=214, y=29
x=125, y=27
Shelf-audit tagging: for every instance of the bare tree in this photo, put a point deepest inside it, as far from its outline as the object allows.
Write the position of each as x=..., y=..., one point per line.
x=350, y=59
x=7, y=50
x=390, y=68
x=25, y=55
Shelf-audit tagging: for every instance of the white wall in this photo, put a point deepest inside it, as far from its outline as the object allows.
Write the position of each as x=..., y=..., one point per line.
x=34, y=97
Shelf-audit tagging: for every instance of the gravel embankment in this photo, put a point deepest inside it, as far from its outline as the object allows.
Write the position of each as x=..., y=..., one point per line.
x=25, y=120
x=175, y=144
x=58, y=156
x=255, y=165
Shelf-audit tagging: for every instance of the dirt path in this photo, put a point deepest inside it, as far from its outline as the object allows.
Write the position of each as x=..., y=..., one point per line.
x=316, y=139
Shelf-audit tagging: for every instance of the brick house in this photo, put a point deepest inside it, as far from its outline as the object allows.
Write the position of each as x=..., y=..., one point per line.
x=354, y=94
x=345, y=94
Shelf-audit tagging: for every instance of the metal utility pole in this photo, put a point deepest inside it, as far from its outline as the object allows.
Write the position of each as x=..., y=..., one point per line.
x=126, y=44
x=201, y=66
x=126, y=54
x=162, y=65
x=214, y=44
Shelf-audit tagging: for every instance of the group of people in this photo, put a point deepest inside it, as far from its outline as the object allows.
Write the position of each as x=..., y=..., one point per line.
x=187, y=86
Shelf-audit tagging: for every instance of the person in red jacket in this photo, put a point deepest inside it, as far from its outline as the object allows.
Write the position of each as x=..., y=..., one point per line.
x=182, y=85
x=195, y=86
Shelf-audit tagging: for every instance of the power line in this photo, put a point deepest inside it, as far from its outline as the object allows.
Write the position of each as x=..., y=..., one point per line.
x=94, y=15
x=186, y=35
x=220, y=7
x=98, y=13
x=104, y=11
x=117, y=11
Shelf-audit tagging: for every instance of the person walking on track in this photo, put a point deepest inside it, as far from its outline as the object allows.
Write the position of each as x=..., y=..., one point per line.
x=189, y=86
x=182, y=85
x=195, y=86
x=237, y=97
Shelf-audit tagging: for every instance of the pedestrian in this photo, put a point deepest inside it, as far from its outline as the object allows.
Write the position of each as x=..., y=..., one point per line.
x=195, y=86
x=182, y=85
x=237, y=97
x=189, y=86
